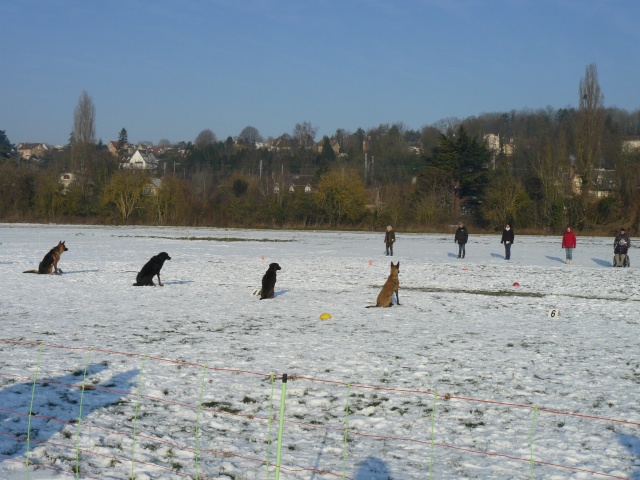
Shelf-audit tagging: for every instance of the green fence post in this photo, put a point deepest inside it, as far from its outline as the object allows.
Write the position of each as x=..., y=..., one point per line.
x=84, y=379
x=346, y=434
x=33, y=393
x=135, y=418
x=433, y=437
x=281, y=424
x=204, y=373
x=533, y=421
x=270, y=422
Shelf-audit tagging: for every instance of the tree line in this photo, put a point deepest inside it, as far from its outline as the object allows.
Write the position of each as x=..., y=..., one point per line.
x=538, y=170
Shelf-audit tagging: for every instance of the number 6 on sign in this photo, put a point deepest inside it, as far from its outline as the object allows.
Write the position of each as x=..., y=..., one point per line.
x=553, y=313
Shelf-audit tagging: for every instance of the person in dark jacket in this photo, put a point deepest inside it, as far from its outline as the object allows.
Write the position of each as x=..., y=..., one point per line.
x=621, y=246
x=569, y=243
x=507, y=239
x=461, y=238
x=389, y=239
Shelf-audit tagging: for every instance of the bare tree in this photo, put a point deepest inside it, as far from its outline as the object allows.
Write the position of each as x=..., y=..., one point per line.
x=590, y=127
x=84, y=133
x=249, y=136
x=205, y=138
x=305, y=133
x=164, y=142
x=447, y=125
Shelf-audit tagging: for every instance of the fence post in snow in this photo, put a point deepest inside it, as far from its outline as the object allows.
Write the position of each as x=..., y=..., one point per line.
x=433, y=438
x=281, y=424
x=204, y=373
x=533, y=422
x=135, y=418
x=84, y=380
x=346, y=433
x=33, y=393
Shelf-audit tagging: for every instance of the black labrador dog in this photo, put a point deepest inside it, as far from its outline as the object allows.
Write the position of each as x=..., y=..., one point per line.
x=150, y=270
x=269, y=281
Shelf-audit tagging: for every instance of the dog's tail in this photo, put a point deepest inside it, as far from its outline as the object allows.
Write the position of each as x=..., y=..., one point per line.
x=31, y=271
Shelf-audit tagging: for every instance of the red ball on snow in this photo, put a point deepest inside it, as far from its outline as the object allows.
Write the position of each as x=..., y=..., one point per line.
x=516, y=284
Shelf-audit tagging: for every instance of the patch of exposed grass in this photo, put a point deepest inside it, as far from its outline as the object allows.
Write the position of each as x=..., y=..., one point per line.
x=490, y=293
x=212, y=239
x=222, y=406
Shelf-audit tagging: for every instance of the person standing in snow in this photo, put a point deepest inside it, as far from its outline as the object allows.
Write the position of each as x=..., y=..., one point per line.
x=507, y=239
x=461, y=238
x=621, y=245
x=569, y=243
x=389, y=239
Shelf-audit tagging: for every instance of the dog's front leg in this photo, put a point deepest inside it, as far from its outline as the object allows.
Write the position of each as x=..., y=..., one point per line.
x=159, y=281
x=397, y=298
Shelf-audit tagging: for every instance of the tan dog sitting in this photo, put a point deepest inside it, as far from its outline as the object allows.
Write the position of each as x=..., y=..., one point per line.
x=385, y=298
x=49, y=263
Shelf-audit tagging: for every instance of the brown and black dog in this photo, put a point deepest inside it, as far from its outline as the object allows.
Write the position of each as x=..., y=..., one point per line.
x=49, y=263
x=391, y=286
x=150, y=270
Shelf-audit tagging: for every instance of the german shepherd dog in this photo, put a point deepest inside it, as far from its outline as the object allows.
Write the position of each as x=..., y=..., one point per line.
x=269, y=282
x=389, y=288
x=49, y=263
x=150, y=270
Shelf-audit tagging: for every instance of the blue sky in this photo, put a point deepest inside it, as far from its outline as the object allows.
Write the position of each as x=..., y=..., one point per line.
x=169, y=69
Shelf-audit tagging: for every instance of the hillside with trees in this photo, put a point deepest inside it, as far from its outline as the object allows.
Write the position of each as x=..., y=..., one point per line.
x=536, y=169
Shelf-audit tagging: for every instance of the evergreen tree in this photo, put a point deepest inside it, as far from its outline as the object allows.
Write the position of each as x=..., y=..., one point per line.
x=5, y=145
x=326, y=157
x=465, y=162
x=123, y=142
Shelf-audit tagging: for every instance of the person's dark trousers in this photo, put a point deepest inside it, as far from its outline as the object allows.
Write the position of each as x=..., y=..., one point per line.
x=507, y=251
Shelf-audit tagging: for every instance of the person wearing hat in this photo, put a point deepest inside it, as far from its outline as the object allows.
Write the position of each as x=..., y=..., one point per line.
x=621, y=245
x=389, y=239
x=569, y=243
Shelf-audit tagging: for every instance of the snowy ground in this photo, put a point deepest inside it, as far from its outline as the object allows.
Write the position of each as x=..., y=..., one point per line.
x=488, y=349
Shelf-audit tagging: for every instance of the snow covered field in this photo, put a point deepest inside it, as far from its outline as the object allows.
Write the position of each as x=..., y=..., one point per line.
x=506, y=374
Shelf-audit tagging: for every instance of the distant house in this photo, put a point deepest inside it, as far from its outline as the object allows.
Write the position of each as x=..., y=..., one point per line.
x=630, y=144
x=67, y=179
x=494, y=144
x=152, y=188
x=335, y=146
x=159, y=150
x=28, y=150
x=142, y=160
x=281, y=143
x=415, y=147
x=306, y=188
x=113, y=147
x=603, y=183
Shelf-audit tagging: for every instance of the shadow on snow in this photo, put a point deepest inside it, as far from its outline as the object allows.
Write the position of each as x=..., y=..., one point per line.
x=56, y=404
x=633, y=445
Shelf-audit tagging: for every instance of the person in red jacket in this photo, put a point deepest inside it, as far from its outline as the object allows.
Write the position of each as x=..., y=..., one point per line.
x=569, y=243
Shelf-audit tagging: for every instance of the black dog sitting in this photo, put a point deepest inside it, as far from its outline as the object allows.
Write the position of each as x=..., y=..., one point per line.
x=151, y=269
x=269, y=281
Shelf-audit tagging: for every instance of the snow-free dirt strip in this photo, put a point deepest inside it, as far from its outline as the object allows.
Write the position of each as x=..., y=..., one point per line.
x=469, y=377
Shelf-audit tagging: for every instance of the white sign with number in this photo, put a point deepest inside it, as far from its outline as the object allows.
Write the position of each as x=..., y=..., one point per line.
x=553, y=313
